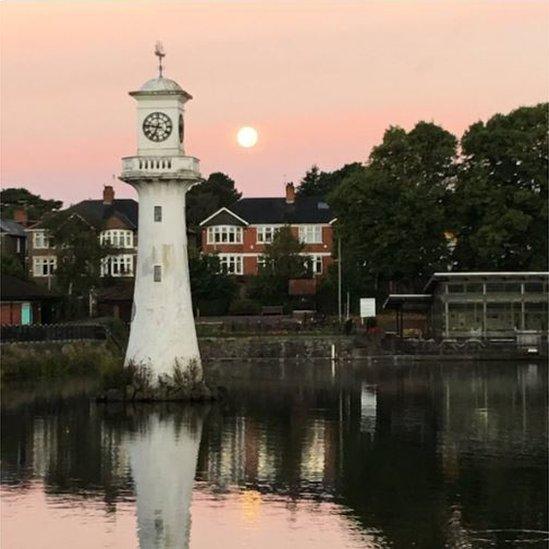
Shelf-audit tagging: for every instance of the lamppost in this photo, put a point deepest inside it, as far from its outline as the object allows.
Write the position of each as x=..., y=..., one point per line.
x=339, y=301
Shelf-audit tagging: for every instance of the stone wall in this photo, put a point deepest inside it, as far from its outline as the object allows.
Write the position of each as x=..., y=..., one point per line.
x=279, y=347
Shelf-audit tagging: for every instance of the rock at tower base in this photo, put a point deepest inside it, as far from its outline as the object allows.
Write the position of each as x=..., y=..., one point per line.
x=139, y=384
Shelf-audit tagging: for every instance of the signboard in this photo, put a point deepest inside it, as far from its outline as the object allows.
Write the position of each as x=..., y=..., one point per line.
x=367, y=307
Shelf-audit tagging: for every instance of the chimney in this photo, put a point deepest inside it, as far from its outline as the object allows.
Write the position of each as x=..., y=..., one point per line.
x=290, y=193
x=20, y=215
x=108, y=195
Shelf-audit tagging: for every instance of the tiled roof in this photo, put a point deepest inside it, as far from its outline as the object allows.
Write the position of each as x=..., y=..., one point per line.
x=13, y=288
x=123, y=291
x=96, y=212
x=307, y=209
x=12, y=228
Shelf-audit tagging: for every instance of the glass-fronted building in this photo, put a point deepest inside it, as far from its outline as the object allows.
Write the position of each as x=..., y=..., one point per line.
x=480, y=305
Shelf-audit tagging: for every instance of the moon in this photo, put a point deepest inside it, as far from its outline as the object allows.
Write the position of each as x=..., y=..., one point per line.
x=247, y=137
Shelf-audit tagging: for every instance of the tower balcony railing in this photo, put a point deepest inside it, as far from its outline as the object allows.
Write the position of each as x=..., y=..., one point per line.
x=159, y=165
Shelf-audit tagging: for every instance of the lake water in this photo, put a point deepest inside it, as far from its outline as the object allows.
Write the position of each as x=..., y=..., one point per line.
x=368, y=455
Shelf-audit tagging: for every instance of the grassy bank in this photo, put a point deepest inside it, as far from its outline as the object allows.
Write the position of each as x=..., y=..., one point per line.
x=22, y=362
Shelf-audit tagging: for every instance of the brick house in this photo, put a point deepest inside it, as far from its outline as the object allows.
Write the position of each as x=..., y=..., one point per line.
x=116, y=223
x=239, y=233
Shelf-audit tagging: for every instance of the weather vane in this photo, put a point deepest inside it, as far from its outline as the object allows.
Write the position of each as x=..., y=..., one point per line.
x=159, y=52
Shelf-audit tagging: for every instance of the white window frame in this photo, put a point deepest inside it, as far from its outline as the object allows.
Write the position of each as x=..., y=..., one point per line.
x=117, y=266
x=118, y=238
x=231, y=264
x=266, y=233
x=44, y=265
x=40, y=240
x=310, y=234
x=261, y=262
x=224, y=234
x=316, y=264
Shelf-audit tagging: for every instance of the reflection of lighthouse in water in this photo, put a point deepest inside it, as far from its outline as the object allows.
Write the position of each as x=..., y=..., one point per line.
x=163, y=453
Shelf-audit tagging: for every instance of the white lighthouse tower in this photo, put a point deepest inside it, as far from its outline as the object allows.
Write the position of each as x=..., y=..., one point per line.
x=162, y=331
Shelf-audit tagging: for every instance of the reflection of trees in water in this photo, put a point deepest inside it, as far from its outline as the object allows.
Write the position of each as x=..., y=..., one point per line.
x=409, y=466
x=421, y=453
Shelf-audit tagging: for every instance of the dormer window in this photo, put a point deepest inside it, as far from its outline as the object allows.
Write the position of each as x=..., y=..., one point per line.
x=224, y=234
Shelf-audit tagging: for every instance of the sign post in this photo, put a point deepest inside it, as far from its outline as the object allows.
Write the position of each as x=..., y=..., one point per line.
x=367, y=307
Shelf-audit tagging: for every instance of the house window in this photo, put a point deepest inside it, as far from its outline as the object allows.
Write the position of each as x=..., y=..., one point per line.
x=117, y=238
x=261, y=263
x=44, y=265
x=41, y=240
x=231, y=263
x=158, y=213
x=117, y=265
x=224, y=234
x=310, y=234
x=266, y=234
x=316, y=264
x=158, y=273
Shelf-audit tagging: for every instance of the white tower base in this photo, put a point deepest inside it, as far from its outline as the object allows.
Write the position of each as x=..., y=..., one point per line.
x=162, y=334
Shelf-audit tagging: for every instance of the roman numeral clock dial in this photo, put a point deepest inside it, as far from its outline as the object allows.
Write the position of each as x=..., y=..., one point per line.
x=157, y=127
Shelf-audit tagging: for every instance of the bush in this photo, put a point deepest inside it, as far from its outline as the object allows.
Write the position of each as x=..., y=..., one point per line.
x=245, y=306
x=213, y=307
x=29, y=363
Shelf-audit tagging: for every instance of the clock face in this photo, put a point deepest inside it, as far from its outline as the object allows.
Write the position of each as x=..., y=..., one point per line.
x=157, y=126
x=181, y=128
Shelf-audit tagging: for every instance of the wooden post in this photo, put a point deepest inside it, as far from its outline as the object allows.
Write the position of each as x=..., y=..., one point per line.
x=446, y=319
x=522, y=308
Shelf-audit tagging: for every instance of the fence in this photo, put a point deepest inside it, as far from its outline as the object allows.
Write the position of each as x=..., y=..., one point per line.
x=266, y=326
x=52, y=332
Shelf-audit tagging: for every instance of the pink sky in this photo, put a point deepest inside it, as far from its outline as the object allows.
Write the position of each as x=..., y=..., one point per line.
x=320, y=80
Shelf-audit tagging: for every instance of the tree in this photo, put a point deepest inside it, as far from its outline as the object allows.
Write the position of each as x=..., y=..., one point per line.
x=212, y=290
x=34, y=204
x=217, y=191
x=392, y=214
x=11, y=265
x=500, y=199
x=282, y=262
x=79, y=256
x=318, y=183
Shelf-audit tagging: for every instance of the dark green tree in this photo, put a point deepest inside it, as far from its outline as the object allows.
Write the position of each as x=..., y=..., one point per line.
x=319, y=183
x=11, y=265
x=34, y=204
x=217, y=191
x=282, y=262
x=79, y=256
x=392, y=215
x=212, y=290
x=500, y=202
